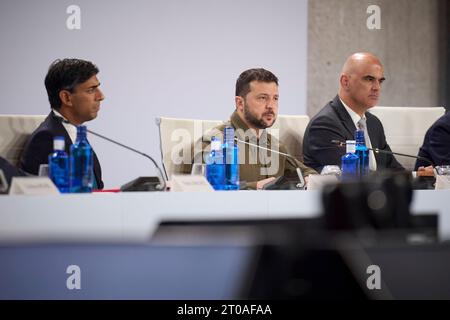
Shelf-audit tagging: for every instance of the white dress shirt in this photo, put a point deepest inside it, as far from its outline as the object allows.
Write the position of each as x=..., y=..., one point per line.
x=70, y=128
x=355, y=118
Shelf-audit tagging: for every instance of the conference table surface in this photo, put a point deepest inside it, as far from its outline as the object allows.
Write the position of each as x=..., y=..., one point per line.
x=134, y=216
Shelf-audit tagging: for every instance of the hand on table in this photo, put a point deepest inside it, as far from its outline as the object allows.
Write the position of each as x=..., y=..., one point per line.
x=260, y=184
x=425, y=171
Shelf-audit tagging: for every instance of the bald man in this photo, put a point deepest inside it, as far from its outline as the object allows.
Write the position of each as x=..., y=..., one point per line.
x=360, y=85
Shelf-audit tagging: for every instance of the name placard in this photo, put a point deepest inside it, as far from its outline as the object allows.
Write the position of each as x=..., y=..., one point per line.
x=32, y=186
x=190, y=183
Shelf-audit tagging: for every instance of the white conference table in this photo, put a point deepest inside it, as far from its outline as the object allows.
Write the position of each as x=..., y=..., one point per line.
x=134, y=216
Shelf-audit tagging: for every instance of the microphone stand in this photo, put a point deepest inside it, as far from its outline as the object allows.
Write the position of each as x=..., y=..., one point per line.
x=161, y=178
x=376, y=150
x=302, y=183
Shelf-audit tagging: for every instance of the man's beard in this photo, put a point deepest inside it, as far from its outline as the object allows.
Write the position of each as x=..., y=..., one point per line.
x=253, y=120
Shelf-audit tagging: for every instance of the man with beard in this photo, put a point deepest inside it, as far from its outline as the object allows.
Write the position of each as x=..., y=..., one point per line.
x=256, y=110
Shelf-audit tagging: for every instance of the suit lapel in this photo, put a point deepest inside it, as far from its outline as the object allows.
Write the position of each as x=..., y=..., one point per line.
x=373, y=131
x=59, y=128
x=344, y=117
x=56, y=123
x=97, y=171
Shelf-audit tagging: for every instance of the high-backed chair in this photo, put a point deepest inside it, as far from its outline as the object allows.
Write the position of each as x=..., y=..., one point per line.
x=14, y=133
x=405, y=128
x=291, y=131
x=177, y=135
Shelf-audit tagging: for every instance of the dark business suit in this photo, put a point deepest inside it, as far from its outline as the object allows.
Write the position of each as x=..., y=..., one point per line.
x=436, y=144
x=334, y=123
x=40, y=145
x=9, y=170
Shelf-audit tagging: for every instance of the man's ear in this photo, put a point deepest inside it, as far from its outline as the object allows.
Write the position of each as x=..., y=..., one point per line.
x=239, y=103
x=344, y=81
x=65, y=97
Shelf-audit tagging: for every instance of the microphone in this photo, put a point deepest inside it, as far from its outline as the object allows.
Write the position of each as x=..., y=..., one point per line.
x=159, y=187
x=299, y=185
x=376, y=150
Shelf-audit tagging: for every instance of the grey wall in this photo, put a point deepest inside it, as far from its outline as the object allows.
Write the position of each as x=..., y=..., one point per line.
x=407, y=44
x=157, y=58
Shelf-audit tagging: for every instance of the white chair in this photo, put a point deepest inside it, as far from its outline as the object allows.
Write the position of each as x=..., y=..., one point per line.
x=177, y=135
x=292, y=130
x=405, y=128
x=14, y=133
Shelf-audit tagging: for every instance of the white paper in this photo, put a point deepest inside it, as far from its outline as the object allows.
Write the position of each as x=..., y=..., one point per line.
x=32, y=186
x=190, y=183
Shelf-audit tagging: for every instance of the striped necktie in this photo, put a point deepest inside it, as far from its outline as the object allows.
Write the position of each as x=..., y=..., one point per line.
x=372, y=161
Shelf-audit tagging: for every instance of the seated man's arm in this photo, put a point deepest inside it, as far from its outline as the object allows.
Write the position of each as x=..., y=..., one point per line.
x=440, y=145
x=305, y=169
x=292, y=165
x=318, y=148
x=9, y=170
x=390, y=160
x=37, y=151
x=260, y=184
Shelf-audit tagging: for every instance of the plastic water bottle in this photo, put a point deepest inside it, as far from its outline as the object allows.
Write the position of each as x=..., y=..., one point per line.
x=350, y=161
x=81, y=163
x=231, y=156
x=215, y=167
x=362, y=152
x=58, y=165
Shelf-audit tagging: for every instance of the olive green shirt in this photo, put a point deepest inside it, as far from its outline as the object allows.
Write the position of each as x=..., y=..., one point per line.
x=255, y=163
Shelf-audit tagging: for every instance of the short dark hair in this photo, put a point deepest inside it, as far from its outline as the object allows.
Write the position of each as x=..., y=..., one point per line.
x=66, y=74
x=259, y=74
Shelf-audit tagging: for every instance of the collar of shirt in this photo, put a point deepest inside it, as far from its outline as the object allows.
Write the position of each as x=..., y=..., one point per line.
x=70, y=128
x=257, y=158
x=243, y=132
x=355, y=117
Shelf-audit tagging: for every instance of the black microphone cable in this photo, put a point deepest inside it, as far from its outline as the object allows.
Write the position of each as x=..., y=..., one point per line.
x=162, y=180
x=377, y=150
x=299, y=172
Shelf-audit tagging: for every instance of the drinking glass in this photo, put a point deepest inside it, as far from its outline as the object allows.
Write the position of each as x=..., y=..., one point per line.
x=443, y=170
x=198, y=169
x=331, y=170
x=43, y=170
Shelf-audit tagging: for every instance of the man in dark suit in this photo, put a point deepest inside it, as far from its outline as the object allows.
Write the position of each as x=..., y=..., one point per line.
x=360, y=87
x=436, y=144
x=74, y=95
x=9, y=171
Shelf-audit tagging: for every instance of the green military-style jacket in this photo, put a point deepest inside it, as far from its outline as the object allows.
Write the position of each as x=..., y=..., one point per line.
x=255, y=164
